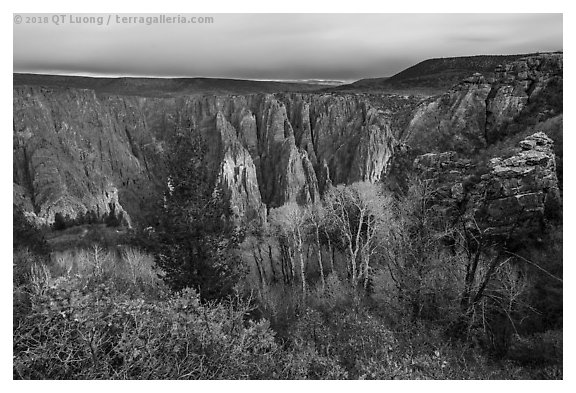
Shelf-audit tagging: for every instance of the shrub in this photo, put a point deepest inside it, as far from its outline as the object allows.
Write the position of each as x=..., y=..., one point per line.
x=24, y=259
x=75, y=333
x=141, y=266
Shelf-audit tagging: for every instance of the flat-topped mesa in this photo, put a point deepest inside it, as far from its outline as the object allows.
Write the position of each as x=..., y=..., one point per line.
x=264, y=149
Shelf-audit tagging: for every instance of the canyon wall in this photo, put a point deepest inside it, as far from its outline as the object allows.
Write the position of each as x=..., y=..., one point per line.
x=77, y=151
x=480, y=111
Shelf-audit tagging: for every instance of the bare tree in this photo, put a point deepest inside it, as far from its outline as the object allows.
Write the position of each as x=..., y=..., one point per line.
x=357, y=213
x=289, y=223
x=423, y=244
x=449, y=266
x=316, y=217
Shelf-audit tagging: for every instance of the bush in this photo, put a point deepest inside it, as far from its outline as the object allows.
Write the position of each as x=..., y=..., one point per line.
x=74, y=333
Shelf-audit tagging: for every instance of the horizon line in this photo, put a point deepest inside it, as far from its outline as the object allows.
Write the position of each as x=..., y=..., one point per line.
x=120, y=76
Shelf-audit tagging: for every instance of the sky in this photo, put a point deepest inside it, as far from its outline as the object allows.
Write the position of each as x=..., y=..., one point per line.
x=342, y=47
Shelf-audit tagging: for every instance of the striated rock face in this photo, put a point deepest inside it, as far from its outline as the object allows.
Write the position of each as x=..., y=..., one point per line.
x=454, y=121
x=76, y=151
x=516, y=194
x=237, y=175
x=480, y=111
x=345, y=134
x=73, y=154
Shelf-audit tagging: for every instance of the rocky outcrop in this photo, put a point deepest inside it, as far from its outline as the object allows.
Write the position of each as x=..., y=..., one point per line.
x=479, y=111
x=515, y=195
x=72, y=147
x=448, y=177
x=518, y=84
x=520, y=191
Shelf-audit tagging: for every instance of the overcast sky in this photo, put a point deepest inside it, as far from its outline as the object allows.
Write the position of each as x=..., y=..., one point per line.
x=276, y=46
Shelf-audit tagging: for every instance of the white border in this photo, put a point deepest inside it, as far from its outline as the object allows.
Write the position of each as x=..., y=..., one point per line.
x=229, y=6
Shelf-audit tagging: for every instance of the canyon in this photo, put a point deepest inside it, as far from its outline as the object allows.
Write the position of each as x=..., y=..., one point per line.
x=79, y=150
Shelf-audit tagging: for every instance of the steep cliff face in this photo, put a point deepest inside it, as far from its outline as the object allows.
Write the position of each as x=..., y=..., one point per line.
x=454, y=121
x=527, y=89
x=480, y=111
x=73, y=154
x=76, y=151
x=237, y=175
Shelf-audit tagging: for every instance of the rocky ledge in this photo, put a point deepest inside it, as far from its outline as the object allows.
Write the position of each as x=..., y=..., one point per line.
x=517, y=194
x=521, y=191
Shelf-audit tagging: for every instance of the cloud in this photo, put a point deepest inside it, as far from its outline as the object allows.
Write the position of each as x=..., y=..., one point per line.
x=279, y=46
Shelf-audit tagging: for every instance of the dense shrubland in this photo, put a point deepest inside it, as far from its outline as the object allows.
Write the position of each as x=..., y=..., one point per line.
x=367, y=283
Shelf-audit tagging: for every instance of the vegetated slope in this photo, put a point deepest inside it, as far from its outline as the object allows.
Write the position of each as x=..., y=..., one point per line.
x=163, y=87
x=432, y=76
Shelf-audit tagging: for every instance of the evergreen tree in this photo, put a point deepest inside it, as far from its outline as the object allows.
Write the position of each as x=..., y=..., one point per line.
x=59, y=222
x=26, y=235
x=196, y=244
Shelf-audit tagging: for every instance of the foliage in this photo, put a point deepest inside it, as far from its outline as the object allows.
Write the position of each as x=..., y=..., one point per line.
x=289, y=223
x=85, y=325
x=196, y=244
x=437, y=300
x=59, y=222
x=29, y=247
x=75, y=331
x=358, y=341
x=26, y=235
